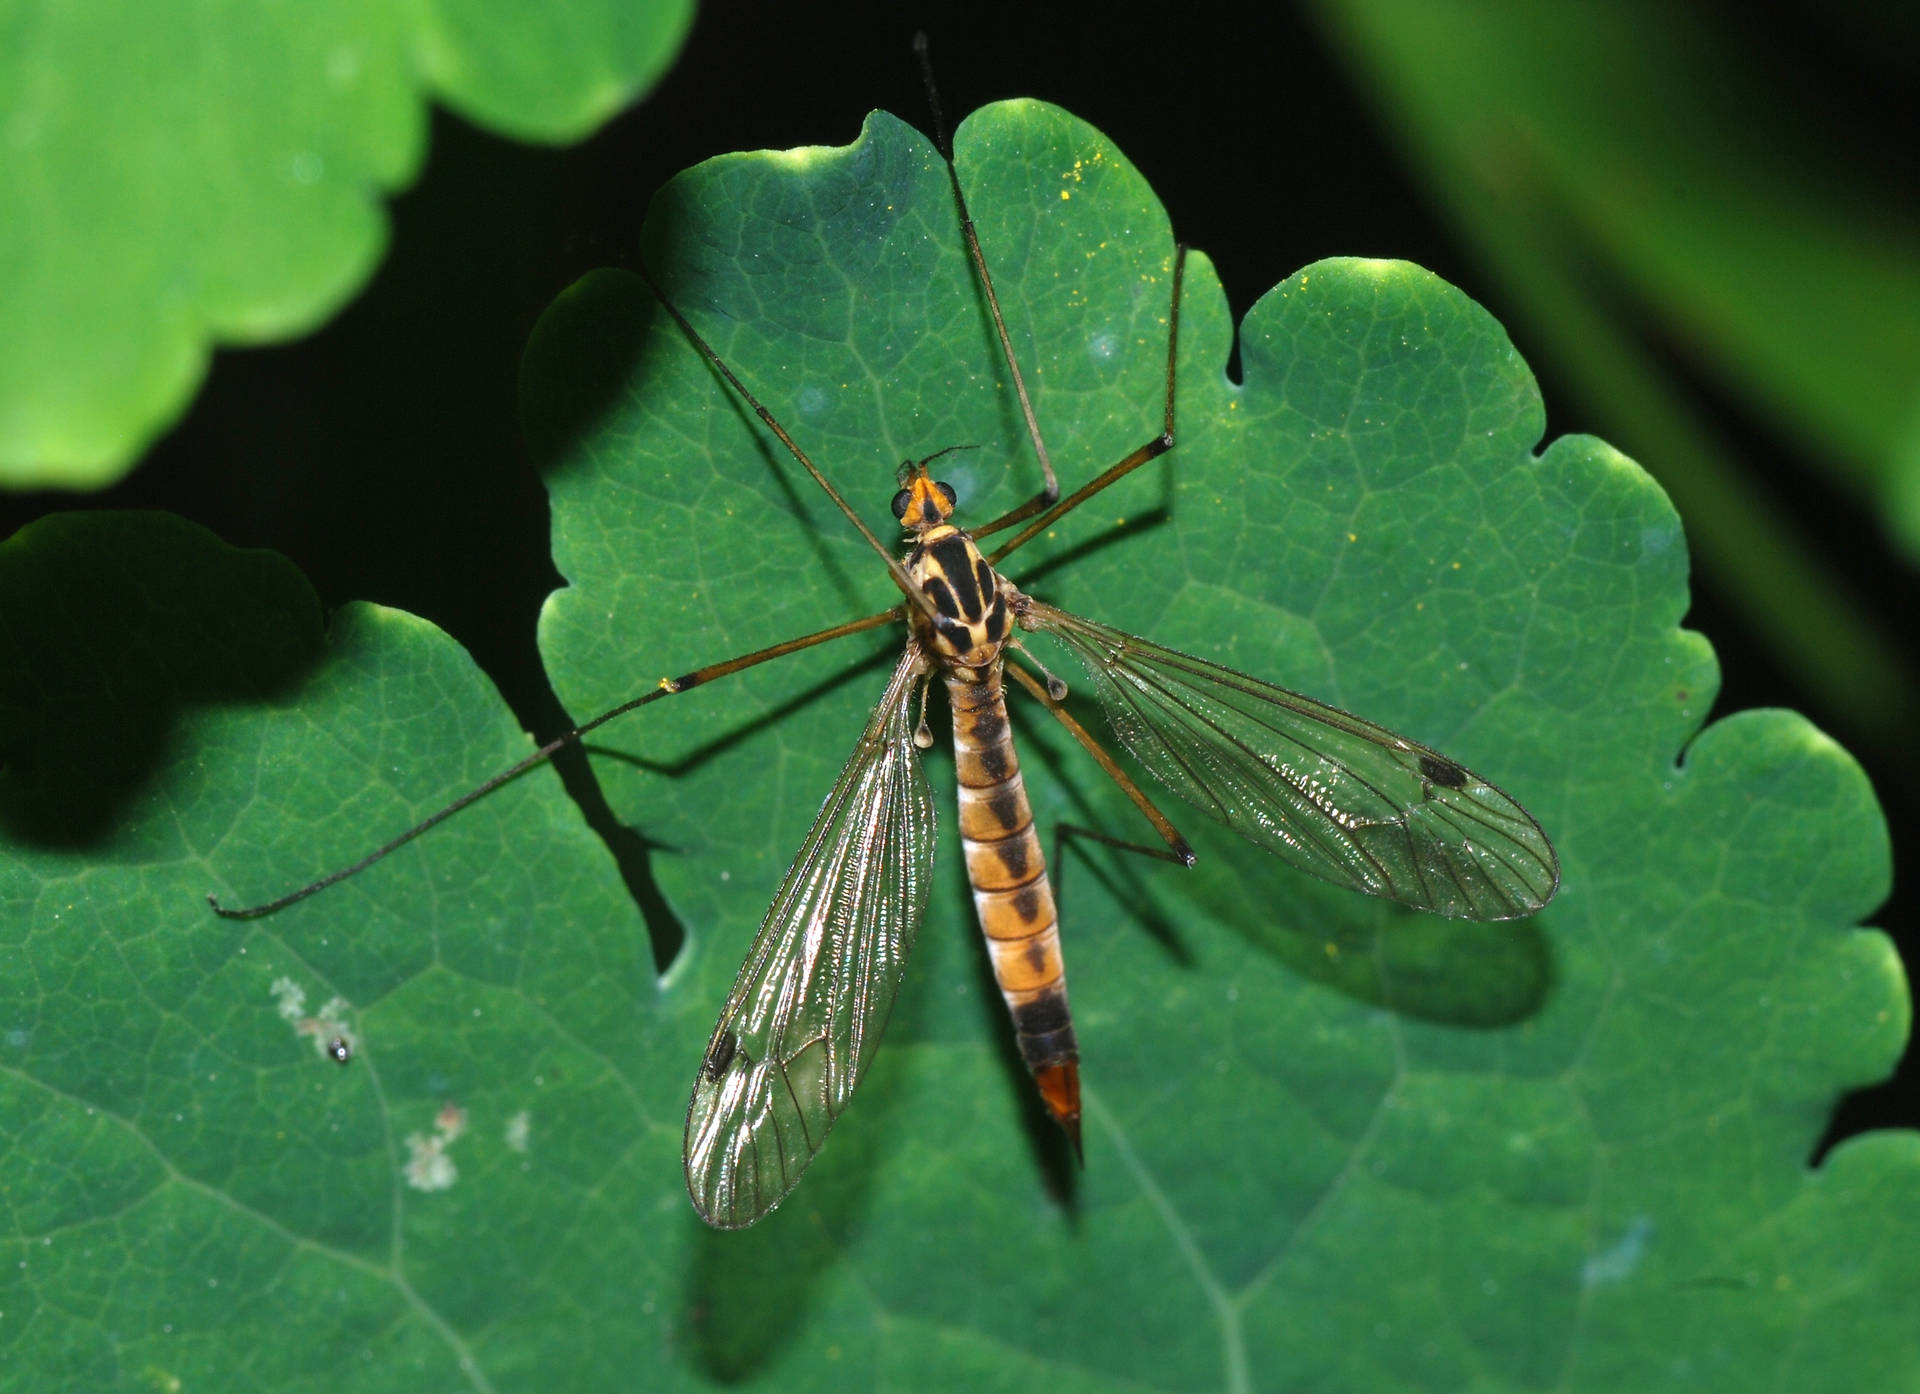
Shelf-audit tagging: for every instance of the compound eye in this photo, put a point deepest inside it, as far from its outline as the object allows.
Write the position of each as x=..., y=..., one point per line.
x=946, y=492
x=900, y=502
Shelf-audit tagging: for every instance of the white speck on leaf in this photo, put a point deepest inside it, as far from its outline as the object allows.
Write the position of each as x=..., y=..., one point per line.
x=289, y=997
x=324, y=1026
x=1619, y=1259
x=429, y=1165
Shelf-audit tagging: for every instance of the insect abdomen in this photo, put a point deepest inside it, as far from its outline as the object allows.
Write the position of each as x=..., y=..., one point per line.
x=1011, y=893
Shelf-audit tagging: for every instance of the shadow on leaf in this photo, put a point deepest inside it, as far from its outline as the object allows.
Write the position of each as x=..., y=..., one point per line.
x=115, y=624
x=750, y=1292
x=1452, y=971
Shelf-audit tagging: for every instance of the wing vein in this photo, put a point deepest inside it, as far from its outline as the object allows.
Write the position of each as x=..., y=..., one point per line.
x=1332, y=794
x=813, y=996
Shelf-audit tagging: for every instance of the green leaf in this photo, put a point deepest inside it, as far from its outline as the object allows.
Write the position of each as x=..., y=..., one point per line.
x=179, y=178
x=1331, y=1144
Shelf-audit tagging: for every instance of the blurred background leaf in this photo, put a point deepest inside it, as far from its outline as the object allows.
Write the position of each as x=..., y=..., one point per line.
x=1665, y=200
x=174, y=177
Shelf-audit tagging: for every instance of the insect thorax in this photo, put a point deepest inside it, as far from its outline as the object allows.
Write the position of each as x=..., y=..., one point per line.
x=970, y=622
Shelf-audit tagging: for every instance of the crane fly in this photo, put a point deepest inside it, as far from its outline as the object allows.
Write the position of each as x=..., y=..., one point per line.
x=1332, y=794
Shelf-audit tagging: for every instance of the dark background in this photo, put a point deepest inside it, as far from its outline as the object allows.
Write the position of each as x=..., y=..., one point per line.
x=382, y=454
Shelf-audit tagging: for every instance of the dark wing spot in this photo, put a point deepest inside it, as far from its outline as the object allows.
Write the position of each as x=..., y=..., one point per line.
x=720, y=1055
x=1443, y=772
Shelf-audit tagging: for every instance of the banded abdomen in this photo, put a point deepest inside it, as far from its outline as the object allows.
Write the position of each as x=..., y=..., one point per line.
x=1011, y=893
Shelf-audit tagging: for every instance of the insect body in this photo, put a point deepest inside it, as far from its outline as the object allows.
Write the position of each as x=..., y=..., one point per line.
x=966, y=635
x=1326, y=791
x=1333, y=794
x=753, y=1124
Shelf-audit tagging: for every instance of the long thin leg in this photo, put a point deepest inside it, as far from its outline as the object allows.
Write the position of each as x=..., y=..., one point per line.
x=1051, y=489
x=668, y=687
x=1063, y=831
x=1152, y=450
x=1177, y=848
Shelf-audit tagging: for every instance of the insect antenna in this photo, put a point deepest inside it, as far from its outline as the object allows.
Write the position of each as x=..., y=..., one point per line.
x=944, y=450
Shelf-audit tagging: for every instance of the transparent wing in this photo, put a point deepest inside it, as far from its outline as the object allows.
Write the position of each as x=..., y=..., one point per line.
x=1334, y=795
x=813, y=996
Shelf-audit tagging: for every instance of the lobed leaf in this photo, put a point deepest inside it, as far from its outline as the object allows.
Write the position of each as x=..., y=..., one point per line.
x=1331, y=1144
